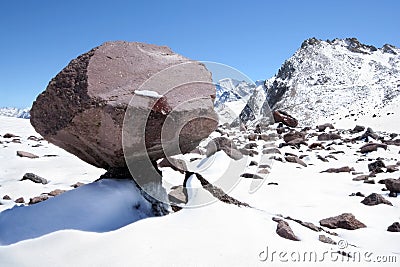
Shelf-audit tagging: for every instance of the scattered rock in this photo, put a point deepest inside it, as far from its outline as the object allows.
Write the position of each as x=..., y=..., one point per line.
x=263, y=171
x=175, y=164
x=358, y=129
x=9, y=135
x=295, y=159
x=344, y=221
x=372, y=147
x=251, y=175
x=322, y=158
x=20, y=200
x=77, y=184
x=358, y=194
x=318, y=146
x=250, y=145
x=376, y=167
x=393, y=185
x=392, y=168
x=38, y=199
x=223, y=144
x=34, y=138
x=322, y=127
x=338, y=170
x=253, y=163
x=326, y=239
x=293, y=136
x=83, y=108
x=6, y=197
x=328, y=136
x=369, y=133
x=24, y=154
x=361, y=178
x=283, y=230
x=271, y=151
x=34, y=178
x=56, y=192
x=285, y=118
x=272, y=183
x=369, y=181
x=375, y=199
x=248, y=152
x=178, y=195
x=395, y=227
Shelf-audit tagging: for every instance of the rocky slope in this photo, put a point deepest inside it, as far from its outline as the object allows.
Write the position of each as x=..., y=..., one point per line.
x=325, y=77
x=330, y=80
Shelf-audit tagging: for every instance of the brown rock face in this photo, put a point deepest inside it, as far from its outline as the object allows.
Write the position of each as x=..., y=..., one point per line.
x=345, y=221
x=83, y=108
x=285, y=118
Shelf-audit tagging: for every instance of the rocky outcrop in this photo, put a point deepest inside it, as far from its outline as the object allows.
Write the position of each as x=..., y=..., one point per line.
x=24, y=154
x=285, y=118
x=393, y=185
x=223, y=144
x=395, y=227
x=83, y=108
x=34, y=178
x=345, y=221
x=375, y=199
x=283, y=230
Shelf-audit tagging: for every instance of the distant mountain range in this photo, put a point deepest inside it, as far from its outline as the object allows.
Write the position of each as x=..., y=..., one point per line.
x=15, y=112
x=323, y=79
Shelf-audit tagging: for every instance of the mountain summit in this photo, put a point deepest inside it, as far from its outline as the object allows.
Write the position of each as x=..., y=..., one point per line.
x=327, y=78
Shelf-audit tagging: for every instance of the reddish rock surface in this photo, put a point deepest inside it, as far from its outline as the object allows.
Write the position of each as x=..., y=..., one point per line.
x=82, y=109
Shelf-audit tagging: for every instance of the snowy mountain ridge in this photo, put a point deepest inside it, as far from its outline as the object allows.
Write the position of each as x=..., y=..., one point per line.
x=323, y=77
x=325, y=81
x=15, y=112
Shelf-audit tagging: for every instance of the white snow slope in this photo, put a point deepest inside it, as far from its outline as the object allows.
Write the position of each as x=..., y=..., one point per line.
x=96, y=218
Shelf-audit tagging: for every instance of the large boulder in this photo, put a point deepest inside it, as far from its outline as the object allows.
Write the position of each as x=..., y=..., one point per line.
x=83, y=108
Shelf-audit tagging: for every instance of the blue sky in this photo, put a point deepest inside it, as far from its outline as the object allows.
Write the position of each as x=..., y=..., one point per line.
x=39, y=38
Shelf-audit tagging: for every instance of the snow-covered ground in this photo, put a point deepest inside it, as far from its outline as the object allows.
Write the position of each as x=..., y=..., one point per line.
x=107, y=223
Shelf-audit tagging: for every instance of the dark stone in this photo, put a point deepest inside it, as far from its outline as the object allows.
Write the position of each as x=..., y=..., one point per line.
x=9, y=135
x=372, y=147
x=20, y=200
x=344, y=221
x=326, y=239
x=223, y=144
x=271, y=151
x=285, y=118
x=338, y=170
x=358, y=129
x=283, y=230
x=395, y=227
x=328, y=136
x=293, y=135
x=393, y=185
x=38, y=199
x=295, y=159
x=24, y=154
x=375, y=199
x=251, y=175
x=376, y=166
x=34, y=178
x=322, y=127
